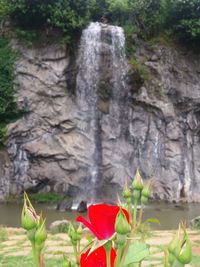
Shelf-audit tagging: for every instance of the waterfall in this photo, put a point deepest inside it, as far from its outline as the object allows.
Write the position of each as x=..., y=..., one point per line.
x=101, y=80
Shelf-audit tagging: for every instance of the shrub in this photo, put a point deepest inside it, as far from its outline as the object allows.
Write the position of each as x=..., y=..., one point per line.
x=67, y=15
x=3, y=234
x=184, y=20
x=8, y=107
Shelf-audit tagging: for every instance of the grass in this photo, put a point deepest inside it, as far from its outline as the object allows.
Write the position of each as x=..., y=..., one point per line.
x=3, y=234
x=59, y=243
x=27, y=262
x=37, y=198
x=195, y=261
x=140, y=68
x=46, y=197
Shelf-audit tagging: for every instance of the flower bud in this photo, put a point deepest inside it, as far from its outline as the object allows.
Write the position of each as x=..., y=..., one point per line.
x=80, y=229
x=126, y=191
x=185, y=254
x=137, y=182
x=171, y=258
x=144, y=200
x=31, y=235
x=174, y=242
x=28, y=216
x=136, y=194
x=41, y=233
x=74, y=234
x=146, y=192
x=121, y=224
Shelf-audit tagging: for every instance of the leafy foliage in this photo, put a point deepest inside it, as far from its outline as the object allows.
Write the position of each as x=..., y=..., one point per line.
x=137, y=252
x=147, y=18
x=67, y=15
x=5, y=10
x=184, y=20
x=8, y=108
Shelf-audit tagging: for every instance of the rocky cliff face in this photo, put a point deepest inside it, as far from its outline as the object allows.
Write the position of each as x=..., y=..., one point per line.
x=66, y=145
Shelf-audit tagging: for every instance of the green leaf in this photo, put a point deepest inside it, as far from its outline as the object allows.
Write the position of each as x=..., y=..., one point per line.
x=136, y=253
x=153, y=220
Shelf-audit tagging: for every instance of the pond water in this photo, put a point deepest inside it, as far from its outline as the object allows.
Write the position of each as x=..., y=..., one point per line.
x=168, y=214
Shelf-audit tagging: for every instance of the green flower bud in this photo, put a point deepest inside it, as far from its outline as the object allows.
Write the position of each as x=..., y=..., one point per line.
x=126, y=192
x=41, y=234
x=28, y=217
x=185, y=254
x=121, y=224
x=74, y=234
x=137, y=182
x=174, y=242
x=128, y=200
x=146, y=192
x=136, y=194
x=80, y=229
x=31, y=235
x=144, y=200
x=171, y=258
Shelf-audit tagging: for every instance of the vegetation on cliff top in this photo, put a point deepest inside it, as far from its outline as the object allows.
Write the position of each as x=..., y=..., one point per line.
x=8, y=107
x=147, y=18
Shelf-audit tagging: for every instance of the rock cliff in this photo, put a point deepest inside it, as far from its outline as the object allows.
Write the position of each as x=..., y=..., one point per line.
x=154, y=126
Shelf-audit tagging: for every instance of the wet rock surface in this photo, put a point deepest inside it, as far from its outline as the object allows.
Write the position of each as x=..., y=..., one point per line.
x=155, y=128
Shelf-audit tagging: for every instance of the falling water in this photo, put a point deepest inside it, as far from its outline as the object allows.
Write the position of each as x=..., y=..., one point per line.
x=102, y=71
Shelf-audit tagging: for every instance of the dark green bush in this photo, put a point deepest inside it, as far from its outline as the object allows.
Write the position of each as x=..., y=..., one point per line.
x=148, y=17
x=184, y=20
x=8, y=108
x=67, y=15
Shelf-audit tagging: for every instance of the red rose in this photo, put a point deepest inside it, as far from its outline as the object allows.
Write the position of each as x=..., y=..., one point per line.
x=97, y=258
x=102, y=220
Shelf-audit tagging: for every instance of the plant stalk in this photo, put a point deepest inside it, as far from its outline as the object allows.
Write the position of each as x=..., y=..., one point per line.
x=140, y=214
x=119, y=256
x=76, y=253
x=36, y=255
x=135, y=212
x=108, y=258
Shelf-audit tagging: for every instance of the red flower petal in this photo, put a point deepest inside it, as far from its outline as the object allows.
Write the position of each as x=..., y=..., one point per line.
x=102, y=220
x=97, y=258
x=89, y=226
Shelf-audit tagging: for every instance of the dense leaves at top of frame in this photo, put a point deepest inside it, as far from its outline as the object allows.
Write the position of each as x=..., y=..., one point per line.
x=184, y=20
x=67, y=15
x=181, y=18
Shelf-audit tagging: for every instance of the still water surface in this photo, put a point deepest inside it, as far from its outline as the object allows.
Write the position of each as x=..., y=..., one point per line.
x=169, y=215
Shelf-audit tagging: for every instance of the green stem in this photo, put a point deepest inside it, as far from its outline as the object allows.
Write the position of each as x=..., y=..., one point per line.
x=36, y=255
x=135, y=212
x=130, y=211
x=125, y=250
x=119, y=255
x=108, y=248
x=76, y=253
x=108, y=258
x=140, y=214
